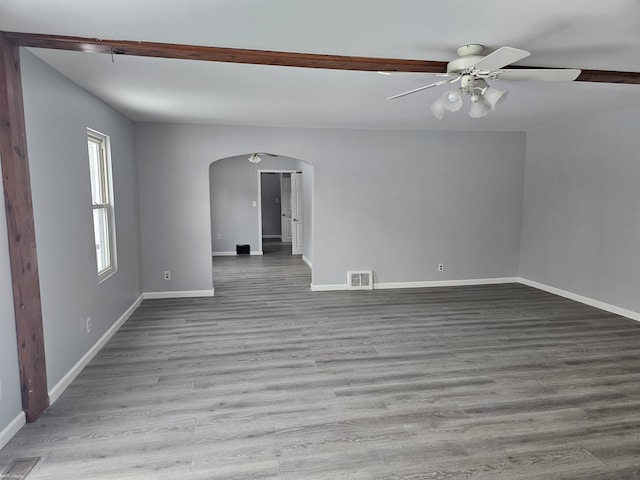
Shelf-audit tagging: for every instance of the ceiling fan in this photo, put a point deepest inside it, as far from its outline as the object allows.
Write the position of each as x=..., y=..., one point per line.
x=472, y=70
x=255, y=157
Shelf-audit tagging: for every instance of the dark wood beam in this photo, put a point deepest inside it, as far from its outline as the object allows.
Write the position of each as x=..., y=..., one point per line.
x=222, y=54
x=21, y=234
x=609, y=76
x=265, y=57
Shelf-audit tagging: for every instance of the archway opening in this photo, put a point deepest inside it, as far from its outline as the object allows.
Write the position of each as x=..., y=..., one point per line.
x=260, y=210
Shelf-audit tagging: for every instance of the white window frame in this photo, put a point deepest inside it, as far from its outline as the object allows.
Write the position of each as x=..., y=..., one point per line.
x=104, y=203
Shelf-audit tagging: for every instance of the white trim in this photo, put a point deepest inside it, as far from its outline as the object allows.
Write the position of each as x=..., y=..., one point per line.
x=10, y=430
x=62, y=385
x=445, y=283
x=307, y=261
x=491, y=281
x=105, y=146
x=234, y=254
x=259, y=207
x=106, y=275
x=259, y=173
x=178, y=294
x=582, y=299
x=423, y=284
x=327, y=288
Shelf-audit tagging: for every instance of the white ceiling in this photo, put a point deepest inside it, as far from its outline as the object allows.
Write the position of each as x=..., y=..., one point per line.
x=591, y=34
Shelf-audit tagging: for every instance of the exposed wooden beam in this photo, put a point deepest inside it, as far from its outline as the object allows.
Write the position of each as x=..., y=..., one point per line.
x=222, y=54
x=21, y=234
x=265, y=57
x=609, y=76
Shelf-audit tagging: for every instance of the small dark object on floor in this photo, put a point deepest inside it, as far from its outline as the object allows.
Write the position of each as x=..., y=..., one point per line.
x=243, y=250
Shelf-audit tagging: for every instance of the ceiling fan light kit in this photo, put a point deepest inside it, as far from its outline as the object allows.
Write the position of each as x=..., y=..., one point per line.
x=452, y=100
x=494, y=97
x=483, y=98
x=437, y=108
x=255, y=158
x=472, y=70
x=478, y=109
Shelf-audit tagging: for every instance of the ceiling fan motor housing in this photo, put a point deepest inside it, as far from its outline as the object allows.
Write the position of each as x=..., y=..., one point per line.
x=469, y=56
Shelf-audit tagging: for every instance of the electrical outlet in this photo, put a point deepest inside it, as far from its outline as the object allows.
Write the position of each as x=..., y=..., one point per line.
x=219, y=236
x=254, y=203
x=441, y=267
x=167, y=275
x=88, y=324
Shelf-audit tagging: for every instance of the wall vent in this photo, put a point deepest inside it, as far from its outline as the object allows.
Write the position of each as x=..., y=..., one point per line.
x=360, y=280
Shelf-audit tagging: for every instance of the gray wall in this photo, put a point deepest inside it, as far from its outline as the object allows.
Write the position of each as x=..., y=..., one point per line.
x=271, y=211
x=233, y=187
x=396, y=202
x=11, y=402
x=581, y=227
x=58, y=113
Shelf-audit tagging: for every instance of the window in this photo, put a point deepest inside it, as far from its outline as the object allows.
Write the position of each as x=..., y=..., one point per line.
x=102, y=202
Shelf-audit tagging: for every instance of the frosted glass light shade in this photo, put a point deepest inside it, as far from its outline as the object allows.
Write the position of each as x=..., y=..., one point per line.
x=437, y=108
x=479, y=109
x=494, y=97
x=452, y=100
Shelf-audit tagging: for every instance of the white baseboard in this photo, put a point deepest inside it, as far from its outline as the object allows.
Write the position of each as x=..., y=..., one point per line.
x=582, y=299
x=223, y=254
x=328, y=288
x=10, y=430
x=256, y=252
x=178, y=294
x=445, y=283
x=62, y=385
x=422, y=284
x=306, y=260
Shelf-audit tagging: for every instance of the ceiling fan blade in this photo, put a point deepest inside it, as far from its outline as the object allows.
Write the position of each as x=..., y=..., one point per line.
x=539, y=74
x=501, y=57
x=441, y=82
x=413, y=74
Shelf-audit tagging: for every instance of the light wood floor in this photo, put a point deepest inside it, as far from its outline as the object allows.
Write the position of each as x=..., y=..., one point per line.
x=268, y=380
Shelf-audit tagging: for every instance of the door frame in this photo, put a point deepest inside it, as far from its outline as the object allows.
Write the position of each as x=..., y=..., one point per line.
x=259, y=200
x=297, y=223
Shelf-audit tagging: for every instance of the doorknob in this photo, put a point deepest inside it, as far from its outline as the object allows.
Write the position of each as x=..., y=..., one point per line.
x=295, y=219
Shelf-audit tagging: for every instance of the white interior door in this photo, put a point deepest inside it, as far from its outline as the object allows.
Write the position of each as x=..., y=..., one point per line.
x=285, y=207
x=297, y=214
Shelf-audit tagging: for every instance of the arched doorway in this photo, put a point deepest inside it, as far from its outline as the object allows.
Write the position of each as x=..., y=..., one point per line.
x=250, y=214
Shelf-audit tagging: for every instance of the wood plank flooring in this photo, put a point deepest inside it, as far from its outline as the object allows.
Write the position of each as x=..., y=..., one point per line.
x=268, y=380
